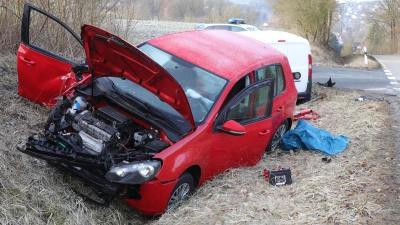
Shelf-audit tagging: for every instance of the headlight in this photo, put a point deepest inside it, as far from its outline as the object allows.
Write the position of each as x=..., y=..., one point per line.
x=133, y=172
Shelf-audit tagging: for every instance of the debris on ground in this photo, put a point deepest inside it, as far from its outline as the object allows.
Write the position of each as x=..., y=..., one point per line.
x=321, y=96
x=278, y=176
x=366, y=98
x=326, y=160
x=329, y=83
x=306, y=114
x=307, y=137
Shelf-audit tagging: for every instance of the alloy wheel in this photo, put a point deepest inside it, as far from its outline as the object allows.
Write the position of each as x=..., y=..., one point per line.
x=179, y=194
x=276, y=140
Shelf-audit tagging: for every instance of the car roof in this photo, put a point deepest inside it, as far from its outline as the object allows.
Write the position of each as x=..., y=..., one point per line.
x=274, y=36
x=246, y=26
x=221, y=52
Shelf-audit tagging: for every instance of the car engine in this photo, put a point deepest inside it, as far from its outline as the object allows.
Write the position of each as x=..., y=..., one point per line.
x=87, y=136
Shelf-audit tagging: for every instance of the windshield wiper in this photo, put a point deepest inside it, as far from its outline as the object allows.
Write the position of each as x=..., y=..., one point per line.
x=155, y=112
x=146, y=107
x=120, y=95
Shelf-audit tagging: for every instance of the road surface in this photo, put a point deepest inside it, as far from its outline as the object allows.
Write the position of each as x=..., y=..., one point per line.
x=385, y=80
x=391, y=68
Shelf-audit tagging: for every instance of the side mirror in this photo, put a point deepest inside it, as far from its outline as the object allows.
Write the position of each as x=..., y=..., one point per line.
x=233, y=127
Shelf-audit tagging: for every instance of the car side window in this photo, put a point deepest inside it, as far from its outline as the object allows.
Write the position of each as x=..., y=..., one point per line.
x=237, y=29
x=272, y=71
x=279, y=80
x=221, y=27
x=240, y=85
x=252, y=108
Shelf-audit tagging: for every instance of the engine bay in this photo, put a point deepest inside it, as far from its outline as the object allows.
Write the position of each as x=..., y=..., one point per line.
x=79, y=134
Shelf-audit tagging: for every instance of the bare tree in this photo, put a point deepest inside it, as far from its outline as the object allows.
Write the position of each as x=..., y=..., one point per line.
x=178, y=9
x=312, y=18
x=387, y=17
x=157, y=8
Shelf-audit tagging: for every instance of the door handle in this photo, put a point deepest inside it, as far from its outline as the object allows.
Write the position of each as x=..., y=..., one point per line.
x=28, y=61
x=264, y=132
x=280, y=109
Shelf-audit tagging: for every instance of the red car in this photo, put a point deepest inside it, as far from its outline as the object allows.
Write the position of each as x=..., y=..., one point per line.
x=152, y=122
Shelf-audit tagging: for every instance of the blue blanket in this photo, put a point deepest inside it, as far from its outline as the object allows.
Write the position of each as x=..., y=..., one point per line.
x=307, y=137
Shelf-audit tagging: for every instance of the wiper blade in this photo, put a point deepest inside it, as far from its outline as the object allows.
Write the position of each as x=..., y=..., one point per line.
x=156, y=112
x=121, y=96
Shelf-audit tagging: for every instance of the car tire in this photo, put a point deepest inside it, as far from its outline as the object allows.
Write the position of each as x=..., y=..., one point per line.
x=276, y=139
x=183, y=188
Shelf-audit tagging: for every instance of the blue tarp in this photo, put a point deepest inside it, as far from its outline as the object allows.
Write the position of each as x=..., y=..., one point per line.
x=307, y=137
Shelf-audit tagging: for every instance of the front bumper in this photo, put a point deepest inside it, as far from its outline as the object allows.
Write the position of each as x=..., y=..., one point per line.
x=150, y=198
x=154, y=197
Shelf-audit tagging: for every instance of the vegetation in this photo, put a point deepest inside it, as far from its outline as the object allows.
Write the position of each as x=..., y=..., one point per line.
x=313, y=19
x=347, y=48
x=117, y=16
x=384, y=32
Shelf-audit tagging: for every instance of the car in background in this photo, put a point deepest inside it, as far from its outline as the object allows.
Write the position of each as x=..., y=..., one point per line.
x=235, y=25
x=150, y=123
x=298, y=51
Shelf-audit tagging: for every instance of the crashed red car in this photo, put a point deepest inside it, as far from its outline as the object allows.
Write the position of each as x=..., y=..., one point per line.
x=152, y=122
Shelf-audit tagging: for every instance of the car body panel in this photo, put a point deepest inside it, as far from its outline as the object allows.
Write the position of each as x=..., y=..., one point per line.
x=284, y=104
x=37, y=85
x=155, y=196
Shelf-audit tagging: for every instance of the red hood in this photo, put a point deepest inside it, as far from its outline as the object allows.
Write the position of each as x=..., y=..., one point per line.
x=109, y=55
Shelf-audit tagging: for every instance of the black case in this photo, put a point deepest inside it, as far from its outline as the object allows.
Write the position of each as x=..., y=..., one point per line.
x=280, y=177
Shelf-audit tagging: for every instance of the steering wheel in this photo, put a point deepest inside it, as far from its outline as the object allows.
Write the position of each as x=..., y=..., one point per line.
x=199, y=108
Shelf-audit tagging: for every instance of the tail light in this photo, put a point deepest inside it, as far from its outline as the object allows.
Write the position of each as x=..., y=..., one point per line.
x=309, y=65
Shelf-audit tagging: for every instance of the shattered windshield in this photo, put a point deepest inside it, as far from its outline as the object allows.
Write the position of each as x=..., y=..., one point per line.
x=202, y=88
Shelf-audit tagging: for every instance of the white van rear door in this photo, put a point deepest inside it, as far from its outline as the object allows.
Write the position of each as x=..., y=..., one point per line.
x=297, y=54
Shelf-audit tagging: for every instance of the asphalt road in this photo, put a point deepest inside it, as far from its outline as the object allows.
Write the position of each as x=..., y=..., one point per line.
x=385, y=80
x=354, y=79
x=391, y=68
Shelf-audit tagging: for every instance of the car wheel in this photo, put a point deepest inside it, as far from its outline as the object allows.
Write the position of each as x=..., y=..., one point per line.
x=181, y=191
x=276, y=139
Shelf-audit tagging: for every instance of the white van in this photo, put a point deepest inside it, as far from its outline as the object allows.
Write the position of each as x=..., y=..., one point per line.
x=298, y=51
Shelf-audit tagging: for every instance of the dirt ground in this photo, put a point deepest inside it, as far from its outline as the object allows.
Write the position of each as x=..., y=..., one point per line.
x=358, y=186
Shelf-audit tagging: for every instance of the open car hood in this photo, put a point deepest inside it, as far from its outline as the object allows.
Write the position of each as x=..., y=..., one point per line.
x=110, y=56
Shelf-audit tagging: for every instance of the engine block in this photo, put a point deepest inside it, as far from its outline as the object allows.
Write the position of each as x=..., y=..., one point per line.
x=86, y=122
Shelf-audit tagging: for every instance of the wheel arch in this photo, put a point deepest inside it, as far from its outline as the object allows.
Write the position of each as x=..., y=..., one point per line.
x=195, y=171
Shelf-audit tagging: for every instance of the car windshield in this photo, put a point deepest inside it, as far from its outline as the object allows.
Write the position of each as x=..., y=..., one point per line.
x=201, y=87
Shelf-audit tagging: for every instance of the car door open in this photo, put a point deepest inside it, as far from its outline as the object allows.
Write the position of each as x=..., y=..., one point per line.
x=47, y=52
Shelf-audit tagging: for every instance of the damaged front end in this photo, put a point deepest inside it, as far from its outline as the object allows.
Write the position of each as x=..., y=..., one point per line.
x=100, y=145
